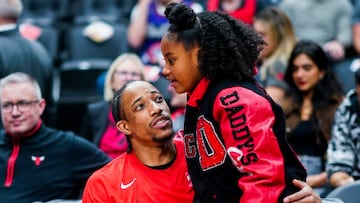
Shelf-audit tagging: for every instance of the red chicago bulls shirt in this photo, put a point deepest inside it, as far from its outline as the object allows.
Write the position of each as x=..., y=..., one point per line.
x=127, y=180
x=236, y=150
x=46, y=164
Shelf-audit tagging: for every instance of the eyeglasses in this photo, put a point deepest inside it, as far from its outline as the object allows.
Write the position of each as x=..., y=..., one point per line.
x=128, y=73
x=21, y=106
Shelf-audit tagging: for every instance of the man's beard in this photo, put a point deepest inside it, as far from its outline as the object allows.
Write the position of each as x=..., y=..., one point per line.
x=163, y=139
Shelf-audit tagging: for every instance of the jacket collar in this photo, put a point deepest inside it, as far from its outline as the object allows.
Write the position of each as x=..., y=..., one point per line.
x=31, y=132
x=7, y=27
x=198, y=93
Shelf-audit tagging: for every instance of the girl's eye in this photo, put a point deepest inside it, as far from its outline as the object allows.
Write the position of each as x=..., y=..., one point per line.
x=171, y=61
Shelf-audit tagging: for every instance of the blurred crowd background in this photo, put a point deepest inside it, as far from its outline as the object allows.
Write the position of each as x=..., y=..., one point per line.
x=86, y=42
x=83, y=37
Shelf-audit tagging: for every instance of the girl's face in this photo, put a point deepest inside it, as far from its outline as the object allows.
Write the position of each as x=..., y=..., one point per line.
x=181, y=65
x=306, y=73
x=263, y=28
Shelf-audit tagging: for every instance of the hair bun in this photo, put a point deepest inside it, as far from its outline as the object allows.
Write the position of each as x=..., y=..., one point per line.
x=180, y=15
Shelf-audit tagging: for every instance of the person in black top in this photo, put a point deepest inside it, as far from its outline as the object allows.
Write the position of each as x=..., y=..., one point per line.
x=18, y=54
x=39, y=163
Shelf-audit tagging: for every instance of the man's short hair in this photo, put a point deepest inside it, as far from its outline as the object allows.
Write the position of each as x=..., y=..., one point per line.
x=19, y=77
x=10, y=9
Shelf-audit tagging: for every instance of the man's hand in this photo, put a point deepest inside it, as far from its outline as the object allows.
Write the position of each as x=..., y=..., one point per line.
x=305, y=195
x=335, y=49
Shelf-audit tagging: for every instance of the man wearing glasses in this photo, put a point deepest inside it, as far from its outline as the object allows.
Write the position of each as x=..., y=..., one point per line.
x=38, y=163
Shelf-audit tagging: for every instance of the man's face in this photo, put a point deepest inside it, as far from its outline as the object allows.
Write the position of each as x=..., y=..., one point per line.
x=21, y=118
x=148, y=121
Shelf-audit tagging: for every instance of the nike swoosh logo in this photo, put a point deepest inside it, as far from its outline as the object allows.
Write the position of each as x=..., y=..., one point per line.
x=126, y=186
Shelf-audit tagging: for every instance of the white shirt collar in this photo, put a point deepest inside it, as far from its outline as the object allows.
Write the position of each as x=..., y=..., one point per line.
x=7, y=27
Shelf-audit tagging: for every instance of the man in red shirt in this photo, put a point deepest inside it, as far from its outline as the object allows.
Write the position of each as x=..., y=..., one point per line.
x=154, y=168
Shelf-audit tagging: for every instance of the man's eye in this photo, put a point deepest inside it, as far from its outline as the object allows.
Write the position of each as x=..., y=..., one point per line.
x=22, y=104
x=139, y=107
x=6, y=105
x=159, y=99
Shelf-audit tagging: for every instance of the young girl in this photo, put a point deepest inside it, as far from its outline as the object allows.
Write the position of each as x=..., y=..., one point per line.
x=234, y=133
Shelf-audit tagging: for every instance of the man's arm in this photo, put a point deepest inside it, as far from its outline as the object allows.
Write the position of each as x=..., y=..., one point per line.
x=341, y=157
x=340, y=178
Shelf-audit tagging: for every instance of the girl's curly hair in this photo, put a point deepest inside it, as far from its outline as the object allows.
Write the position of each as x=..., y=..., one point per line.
x=229, y=48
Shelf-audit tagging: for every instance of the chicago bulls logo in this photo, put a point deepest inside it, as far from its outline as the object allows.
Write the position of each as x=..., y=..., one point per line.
x=37, y=159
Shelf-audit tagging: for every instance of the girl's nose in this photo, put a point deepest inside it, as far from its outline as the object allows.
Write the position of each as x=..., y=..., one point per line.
x=165, y=71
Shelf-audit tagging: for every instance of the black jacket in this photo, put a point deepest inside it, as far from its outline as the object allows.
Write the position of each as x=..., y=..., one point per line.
x=95, y=121
x=18, y=54
x=49, y=164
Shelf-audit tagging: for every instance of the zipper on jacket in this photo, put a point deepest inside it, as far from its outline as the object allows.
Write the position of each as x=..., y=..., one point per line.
x=11, y=163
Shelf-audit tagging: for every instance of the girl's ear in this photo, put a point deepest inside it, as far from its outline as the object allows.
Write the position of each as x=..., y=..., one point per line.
x=123, y=127
x=195, y=55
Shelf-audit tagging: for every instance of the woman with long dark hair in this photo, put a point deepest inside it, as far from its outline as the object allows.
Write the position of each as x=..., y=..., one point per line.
x=309, y=106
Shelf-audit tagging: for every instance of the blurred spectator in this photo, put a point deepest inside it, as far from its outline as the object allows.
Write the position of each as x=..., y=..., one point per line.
x=243, y=10
x=147, y=25
x=327, y=22
x=98, y=125
x=356, y=27
x=261, y=4
x=343, y=165
x=23, y=55
x=309, y=106
x=39, y=163
x=277, y=31
x=345, y=69
x=177, y=106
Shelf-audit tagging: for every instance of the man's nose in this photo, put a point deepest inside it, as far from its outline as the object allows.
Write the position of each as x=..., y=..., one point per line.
x=15, y=109
x=155, y=108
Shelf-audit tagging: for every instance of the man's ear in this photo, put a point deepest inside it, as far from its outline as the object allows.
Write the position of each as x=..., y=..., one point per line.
x=123, y=127
x=42, y=105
